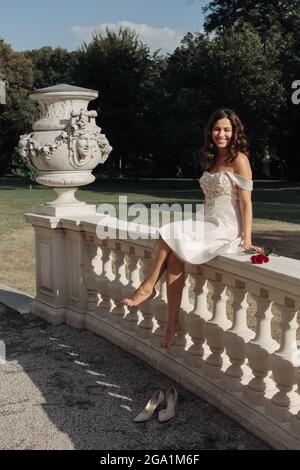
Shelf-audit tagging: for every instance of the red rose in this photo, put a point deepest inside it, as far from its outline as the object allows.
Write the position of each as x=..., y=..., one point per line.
x=256, y=259
x=259, y=259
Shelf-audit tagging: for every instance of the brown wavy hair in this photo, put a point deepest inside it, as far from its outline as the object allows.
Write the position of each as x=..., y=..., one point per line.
x=238, y=142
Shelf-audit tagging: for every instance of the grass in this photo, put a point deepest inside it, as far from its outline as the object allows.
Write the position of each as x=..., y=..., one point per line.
x=276, y=208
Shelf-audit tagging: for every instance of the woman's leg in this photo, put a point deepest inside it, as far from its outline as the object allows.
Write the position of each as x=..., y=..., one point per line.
x=175, y=283
x=146, y=289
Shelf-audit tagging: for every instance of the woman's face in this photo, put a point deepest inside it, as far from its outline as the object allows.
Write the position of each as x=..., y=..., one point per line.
x=222, y=133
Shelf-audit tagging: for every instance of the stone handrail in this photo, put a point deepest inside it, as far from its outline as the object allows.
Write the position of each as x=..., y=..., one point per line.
x=233, y=351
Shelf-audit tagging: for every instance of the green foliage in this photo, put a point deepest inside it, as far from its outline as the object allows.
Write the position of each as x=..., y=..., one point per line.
x=277, y=23
x=243, y=72
x=19, y=112
x=120, y=67
x=21, y=166
x=231, y=70
x=183, y=106
x=52, y=66
x=263, y=15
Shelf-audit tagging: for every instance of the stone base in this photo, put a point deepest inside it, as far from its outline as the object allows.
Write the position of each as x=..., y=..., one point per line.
x=65, y=211
x=55, y=316
x=75, y=319
x=233, y=384
x=283, y=413
x=295, y=423
x=193, y=360
x=58, y=316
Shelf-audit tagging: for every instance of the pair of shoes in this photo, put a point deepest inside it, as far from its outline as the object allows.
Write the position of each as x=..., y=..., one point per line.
x=156, y=400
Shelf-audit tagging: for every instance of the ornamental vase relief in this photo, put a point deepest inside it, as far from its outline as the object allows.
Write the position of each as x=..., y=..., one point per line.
x=66, y=144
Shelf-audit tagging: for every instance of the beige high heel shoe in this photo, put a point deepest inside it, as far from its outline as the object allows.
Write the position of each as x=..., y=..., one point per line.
x=169, y=412
x=146, y=414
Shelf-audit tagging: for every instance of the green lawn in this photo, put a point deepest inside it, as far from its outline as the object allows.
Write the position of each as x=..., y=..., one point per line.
x=16, y=198
x=273, y=201
x=276, y=208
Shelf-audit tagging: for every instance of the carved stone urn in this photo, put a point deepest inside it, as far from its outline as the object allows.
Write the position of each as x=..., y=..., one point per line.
x=65, y=146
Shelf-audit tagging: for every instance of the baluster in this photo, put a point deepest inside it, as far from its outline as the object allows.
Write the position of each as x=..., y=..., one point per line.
x=283, y=363
x=214, y=328
x=118, y=286
x=295, y=423
x=258, y=351
x=235, y=339
x=161, y=311
x=146, y=308
x=89, y=274
x=104, y=281
x=132, y=317
x=197, y=318
x=186, y=306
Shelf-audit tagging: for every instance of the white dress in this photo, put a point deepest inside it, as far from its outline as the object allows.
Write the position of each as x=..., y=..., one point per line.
x=216, y=231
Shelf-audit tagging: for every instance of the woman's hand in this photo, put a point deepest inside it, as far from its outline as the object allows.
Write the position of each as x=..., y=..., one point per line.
x=247, y=245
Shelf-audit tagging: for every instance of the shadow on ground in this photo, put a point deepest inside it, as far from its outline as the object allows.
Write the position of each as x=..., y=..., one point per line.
x=68, y=389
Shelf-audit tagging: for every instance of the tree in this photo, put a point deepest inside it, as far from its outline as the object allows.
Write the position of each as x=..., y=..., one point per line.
x=119, y=65
x=287, y=135
x=184, y=104
x=231, y=70
x=277, y=22
x=20, y=111
x=52, y=66
x=246, y=79
x=263, y=15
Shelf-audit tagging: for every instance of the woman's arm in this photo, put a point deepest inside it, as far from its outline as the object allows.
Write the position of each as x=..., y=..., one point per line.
x=243, y=168
x=246, y=210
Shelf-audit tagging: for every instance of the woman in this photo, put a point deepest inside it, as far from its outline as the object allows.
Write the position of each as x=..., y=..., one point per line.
x=227, y=223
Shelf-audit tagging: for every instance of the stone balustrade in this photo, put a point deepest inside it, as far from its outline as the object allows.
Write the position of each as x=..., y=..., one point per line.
x=238, y=349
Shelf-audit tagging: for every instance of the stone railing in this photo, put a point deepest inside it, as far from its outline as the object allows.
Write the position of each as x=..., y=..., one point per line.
x=238, y=349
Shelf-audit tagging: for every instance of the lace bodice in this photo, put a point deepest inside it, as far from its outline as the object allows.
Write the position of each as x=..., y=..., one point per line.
x=222, y=183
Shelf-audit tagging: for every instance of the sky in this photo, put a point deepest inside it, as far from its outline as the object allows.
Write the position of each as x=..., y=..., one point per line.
x=31, y=24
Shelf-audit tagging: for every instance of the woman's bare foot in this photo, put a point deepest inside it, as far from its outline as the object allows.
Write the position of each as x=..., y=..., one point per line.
x=139, y=295
x=170, y=336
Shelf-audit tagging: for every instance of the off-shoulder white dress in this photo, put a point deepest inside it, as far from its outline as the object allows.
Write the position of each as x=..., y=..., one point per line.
x=219, y=229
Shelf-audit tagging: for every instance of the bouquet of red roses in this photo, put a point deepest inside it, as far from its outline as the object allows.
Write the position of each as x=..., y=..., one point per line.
x=261, y=255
